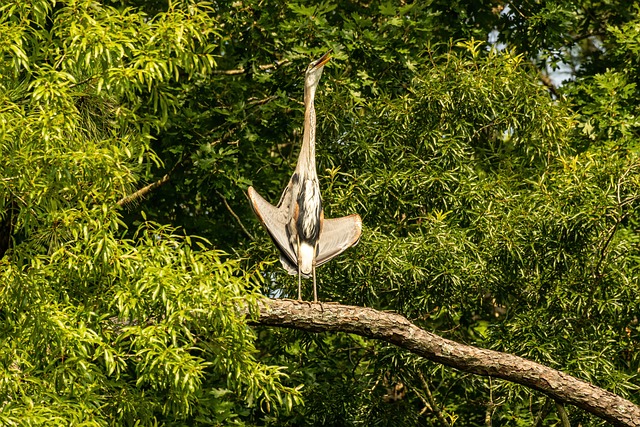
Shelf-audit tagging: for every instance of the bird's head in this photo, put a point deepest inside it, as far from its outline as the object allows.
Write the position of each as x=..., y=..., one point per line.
x=314, y=71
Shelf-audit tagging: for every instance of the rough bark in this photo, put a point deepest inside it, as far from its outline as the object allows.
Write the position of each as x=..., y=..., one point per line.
x=397, y=330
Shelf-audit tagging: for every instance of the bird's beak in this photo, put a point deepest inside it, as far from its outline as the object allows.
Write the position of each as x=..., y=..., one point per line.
x=323, y=60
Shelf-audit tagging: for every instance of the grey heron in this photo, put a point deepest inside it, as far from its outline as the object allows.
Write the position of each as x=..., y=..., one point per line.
x=297, y=226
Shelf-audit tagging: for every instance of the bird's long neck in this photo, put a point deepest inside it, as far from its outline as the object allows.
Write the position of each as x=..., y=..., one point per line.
x=308, y=150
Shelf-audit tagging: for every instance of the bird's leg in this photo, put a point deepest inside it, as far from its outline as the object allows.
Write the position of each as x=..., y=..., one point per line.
x=313, y=268
x=299, y=274
x=315, y=292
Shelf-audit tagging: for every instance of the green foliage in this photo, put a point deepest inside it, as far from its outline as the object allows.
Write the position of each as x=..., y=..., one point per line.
x=122, y=331
x=98, y=328
x=495, y=213
x=485, y=225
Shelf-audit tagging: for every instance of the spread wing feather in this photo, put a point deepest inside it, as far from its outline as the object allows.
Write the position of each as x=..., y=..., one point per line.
x=275, y=220
x=337, y=235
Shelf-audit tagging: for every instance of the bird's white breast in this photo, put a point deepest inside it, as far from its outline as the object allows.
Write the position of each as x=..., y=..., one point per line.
x=307, y=253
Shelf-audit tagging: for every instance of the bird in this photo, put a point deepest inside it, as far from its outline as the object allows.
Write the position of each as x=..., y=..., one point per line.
x=297, y=226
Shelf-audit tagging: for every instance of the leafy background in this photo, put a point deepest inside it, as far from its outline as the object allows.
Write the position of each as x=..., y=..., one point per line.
x=499, y=206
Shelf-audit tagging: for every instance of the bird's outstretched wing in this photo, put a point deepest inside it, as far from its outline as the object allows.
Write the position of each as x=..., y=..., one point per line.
x=275, y=220
x=338, y=235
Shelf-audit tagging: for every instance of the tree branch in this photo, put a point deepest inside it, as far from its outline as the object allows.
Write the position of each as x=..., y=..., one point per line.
x=237, y=218
x=143, y=191
x=396, y=329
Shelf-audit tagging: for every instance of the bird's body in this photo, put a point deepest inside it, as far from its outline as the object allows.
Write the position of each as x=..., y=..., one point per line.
x=297, y=225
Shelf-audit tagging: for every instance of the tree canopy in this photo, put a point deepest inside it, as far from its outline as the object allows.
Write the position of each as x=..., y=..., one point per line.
x=491, y=149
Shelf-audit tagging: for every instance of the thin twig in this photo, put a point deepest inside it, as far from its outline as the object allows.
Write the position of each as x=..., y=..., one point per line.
x=230, y=72
x=623, y=176
x=432, y=402
x=253, y=101
x=612, y=231
x=427, y=407
x=489, y=412
x=224, y=200
x=544, y=411
x=517, y=10
x=244, y=70
x=295, y=100
x=23, y=202
x=87, y=80
x=546, y=80
x=143, y=191
x=274, y=65
x=564, y=417
x=581, y=37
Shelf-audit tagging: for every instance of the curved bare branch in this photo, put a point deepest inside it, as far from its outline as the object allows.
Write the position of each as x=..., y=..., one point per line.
x=397, y=330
